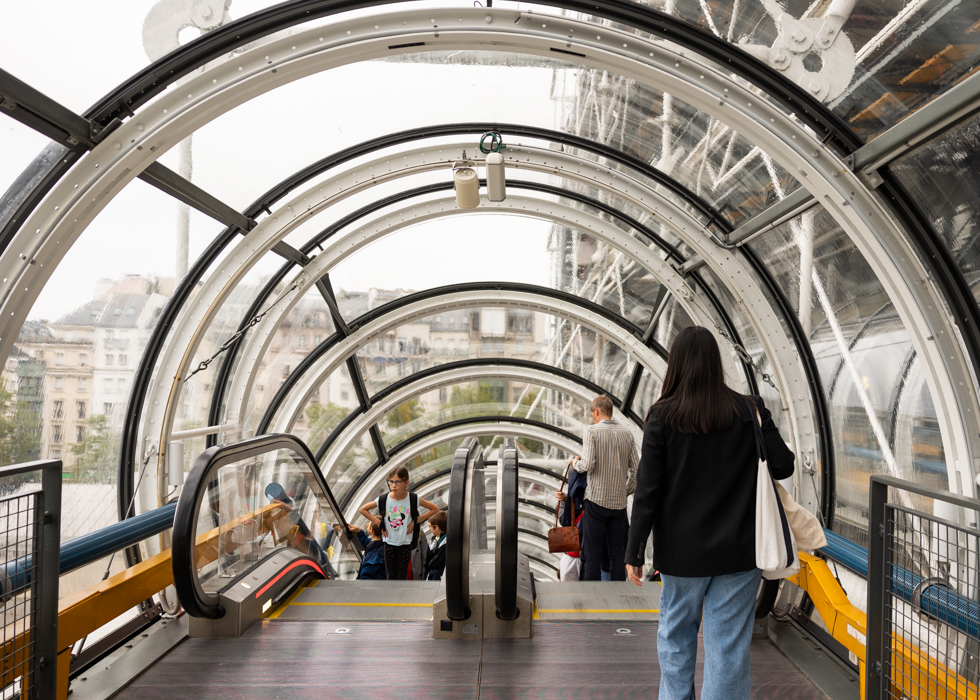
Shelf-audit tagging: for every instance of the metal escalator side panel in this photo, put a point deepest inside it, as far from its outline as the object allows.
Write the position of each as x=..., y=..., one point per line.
x=505, y=571
x=237, y=480
x=458, y=532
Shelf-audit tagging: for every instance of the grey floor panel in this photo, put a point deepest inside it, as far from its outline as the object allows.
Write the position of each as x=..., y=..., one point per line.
x=377, y=602
x=362, y=661
x=591, y=600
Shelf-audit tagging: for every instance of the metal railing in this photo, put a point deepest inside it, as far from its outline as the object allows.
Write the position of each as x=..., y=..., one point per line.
x=30, y=525
x=505, y=585
x=923, y=582
x=464, y=534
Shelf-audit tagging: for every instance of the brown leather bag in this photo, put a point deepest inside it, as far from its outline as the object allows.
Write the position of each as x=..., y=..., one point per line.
x=564, y=539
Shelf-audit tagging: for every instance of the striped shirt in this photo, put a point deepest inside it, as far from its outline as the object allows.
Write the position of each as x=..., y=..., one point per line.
x=610, y=459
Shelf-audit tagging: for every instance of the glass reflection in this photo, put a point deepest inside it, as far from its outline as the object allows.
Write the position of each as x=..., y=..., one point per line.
x=879, y=425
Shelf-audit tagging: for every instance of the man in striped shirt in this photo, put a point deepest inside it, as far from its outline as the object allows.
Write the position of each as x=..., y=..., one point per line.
x=610, y=459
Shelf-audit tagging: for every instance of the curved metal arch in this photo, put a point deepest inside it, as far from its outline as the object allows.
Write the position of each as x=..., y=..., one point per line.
x=447, y=378
x=262, y=336
x=514, y=369
x=330, y=360
x=217, y=398
x=367, y=489
x=915, y=308
x=194, y=321
x=570, y=377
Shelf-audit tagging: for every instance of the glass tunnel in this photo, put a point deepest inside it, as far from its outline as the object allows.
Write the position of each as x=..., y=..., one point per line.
x=223, y=219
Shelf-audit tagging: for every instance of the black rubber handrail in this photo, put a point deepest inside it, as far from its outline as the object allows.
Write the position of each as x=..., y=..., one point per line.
x=458, y=532
x=505, y=569
x=191, y=594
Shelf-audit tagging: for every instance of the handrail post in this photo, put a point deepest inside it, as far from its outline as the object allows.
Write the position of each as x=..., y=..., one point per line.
x=876, y=590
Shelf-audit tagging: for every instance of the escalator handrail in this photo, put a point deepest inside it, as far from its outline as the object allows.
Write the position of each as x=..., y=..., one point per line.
x=191, y=594
x=505, y=569
x=458, y=532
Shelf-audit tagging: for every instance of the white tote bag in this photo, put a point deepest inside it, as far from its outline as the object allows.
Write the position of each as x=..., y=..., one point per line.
x=775, y=546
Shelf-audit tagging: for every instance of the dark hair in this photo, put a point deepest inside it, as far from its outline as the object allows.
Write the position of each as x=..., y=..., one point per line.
x=694, y=398
x=439, y=520
x=400, y=472
x=604, y=404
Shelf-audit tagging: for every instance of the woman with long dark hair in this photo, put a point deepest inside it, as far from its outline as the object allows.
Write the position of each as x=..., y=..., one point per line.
x=696, y=490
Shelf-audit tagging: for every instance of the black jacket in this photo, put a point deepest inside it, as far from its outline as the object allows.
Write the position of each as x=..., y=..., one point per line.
x=437, y=561
x=697, y=493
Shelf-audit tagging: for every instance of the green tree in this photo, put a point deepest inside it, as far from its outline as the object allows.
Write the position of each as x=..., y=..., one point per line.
x=404, y=414
x=96, y=454
x=20, y=431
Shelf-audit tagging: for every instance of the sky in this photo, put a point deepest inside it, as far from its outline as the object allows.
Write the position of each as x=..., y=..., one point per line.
x=75, y=57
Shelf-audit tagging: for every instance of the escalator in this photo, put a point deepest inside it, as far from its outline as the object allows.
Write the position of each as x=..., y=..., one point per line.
x=259, y=535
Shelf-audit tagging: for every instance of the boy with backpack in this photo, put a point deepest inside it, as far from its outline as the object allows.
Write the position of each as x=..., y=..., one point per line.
x=437, y=550
x=373, y=561
x=400, y=522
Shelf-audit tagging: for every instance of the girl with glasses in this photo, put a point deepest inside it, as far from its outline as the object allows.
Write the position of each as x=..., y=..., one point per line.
x=400, y=522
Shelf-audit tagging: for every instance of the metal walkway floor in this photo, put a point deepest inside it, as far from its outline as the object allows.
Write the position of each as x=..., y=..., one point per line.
x=592, y=600
x=326, y=661
x=371, y=601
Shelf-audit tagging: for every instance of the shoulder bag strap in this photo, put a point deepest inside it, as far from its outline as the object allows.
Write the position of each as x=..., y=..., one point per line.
x=760, y=442
x=568, y=498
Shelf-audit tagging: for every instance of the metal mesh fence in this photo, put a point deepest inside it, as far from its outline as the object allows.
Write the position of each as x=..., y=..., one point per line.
x=927, y=642
x=20, y=520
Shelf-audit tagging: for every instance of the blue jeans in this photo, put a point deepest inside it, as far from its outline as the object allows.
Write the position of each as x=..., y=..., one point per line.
x=728, y=605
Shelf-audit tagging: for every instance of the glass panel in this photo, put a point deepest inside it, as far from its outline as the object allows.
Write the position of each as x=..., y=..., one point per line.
x=260, y=505
x=483, y=399
x=890, y=58
x=330, y=403
x=879, y=425
x=489, y=333
x=524, y=251
x=941, y=176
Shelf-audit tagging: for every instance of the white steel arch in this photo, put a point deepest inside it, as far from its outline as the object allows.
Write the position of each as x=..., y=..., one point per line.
x=465, y=374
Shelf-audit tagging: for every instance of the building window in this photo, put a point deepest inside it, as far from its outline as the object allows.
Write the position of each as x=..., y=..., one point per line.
x=107, y=385
x=55, y=454
x=450, y=345
x=123, y=360
x=519, y=346
x=83, y=384
x=80, y=408
x=58, y=411
x=344, y=395
x=82, y=359
x=107, y=409
x=402, y=345
x=121, y=383
x=56, y=434
x=452, y=321
x=437, y=344
x=464, y=345
x=79, y=433
x=59, y=358
x=59, y=383
x=302, y=341
x=109, y=359
x=438, y=320
x=475, y=318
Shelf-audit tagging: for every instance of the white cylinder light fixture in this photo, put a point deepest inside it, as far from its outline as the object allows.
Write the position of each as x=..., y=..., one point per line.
x=467, y=185
x=496, y=187
x=175, y=464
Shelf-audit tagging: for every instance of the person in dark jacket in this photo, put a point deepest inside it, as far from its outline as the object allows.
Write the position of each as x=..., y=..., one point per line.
x=373, y=561
x=695, y=489
x=436, y=564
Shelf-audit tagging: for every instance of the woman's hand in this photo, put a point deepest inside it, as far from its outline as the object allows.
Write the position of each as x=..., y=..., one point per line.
x=560, y=495
x=635, y=574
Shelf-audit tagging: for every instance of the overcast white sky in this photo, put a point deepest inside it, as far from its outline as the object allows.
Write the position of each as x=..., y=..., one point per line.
x=76, y=52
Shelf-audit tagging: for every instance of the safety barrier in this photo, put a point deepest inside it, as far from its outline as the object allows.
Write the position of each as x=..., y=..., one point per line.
x=923, y=576
x=30, y=526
